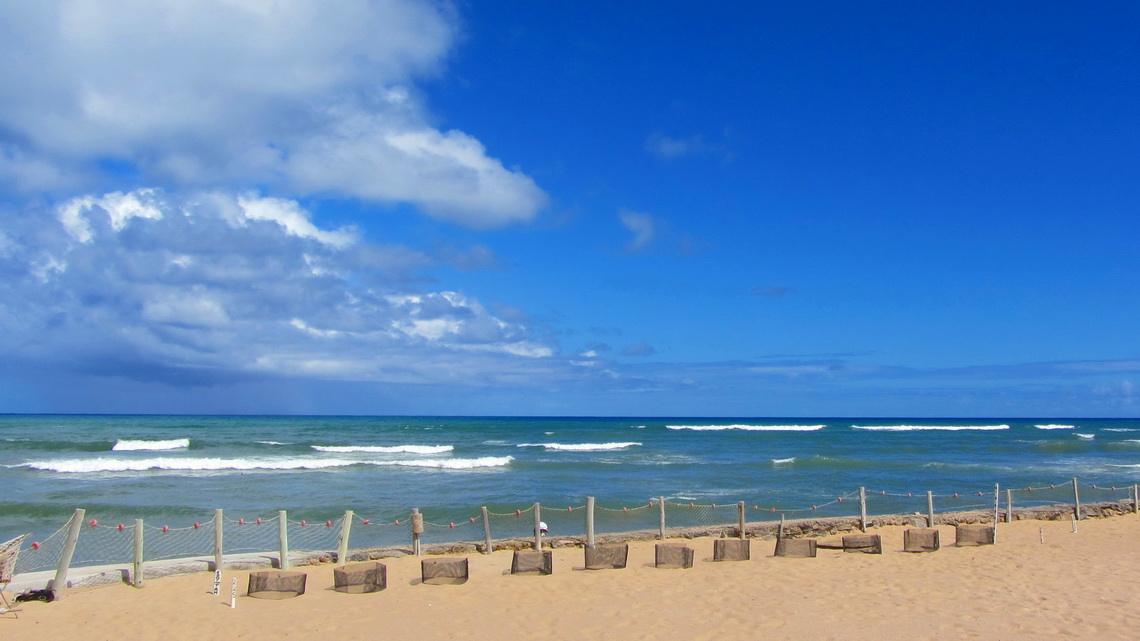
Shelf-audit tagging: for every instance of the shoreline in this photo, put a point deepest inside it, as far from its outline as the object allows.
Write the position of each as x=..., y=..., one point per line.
x=107, y=574
x=1041, y=581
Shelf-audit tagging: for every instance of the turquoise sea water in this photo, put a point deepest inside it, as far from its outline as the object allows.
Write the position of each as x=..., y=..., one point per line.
x=177, y=469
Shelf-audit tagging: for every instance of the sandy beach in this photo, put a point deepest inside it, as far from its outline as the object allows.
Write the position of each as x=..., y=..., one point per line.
x=1071, y=586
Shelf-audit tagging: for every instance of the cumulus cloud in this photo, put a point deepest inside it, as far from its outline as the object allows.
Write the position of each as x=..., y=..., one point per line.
x=643, y=227
x=151, y=286
x=224, y=93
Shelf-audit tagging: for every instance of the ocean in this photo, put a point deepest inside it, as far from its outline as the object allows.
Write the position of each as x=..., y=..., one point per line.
x=175, y=470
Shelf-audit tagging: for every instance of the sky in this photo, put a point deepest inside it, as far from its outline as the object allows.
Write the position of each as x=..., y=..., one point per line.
x=406, y=207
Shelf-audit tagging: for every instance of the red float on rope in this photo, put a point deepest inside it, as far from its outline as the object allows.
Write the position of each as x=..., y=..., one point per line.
x=909, y=495
x=773, y=509
x=1113, y=488
x=815, y=507
x=472, y=519
x=120, y=527
x=328, y=523
x=518, y=512
x=1094, y=487
x=196, y=526
x=570, y=509
x=452, y=525
x=955, y=495
x=692, y=505
x=624, y=509
x=259, y=520
x=303, y=524
x=979, y=493
x=841, y=499
x=397, y=521
x=366, y=521
x=714, y=504
x=883, y=493
x=35, y=545
x=165, y=529
x=241, y=521
x=92, y=523
x=756, y=507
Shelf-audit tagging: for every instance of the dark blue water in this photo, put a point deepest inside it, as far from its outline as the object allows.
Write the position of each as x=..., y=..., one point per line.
x=177, y=469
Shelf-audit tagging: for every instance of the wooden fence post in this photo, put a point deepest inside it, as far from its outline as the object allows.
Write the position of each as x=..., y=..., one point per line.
x=137, y=571
x=486, y=531
x=73, y=530
x=283, y=539
x=537, y=526
x=740, y=516
x=219, y=539
x=1136, y=498
x=929, y=508
x=1009, y=506
x=863, y=509
x=661, y=514
x=1076, y=500
x=417, y=530
x=589, y=521
x=997, y=509
x=345, y=532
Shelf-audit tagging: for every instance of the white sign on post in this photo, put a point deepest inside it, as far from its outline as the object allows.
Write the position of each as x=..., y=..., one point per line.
x=217, y=582
x=233, y=594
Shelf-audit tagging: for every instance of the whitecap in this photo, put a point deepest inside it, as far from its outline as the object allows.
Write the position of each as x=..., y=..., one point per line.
x=747, y=428
x=125, y=445
x=909, y=428
x=1054, y=427
x=581, y=447
x=783, y=461
x=384, y=449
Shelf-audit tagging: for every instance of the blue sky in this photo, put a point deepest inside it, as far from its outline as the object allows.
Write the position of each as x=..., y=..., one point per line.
x=404, y=207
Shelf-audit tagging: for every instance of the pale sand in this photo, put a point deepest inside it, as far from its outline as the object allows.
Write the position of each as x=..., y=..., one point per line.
x=1074, y=586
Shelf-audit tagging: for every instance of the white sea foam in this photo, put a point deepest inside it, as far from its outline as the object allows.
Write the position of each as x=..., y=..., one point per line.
x=748, y=428
x=384, y=449
x=1088, y=437
x=581, y=447
x=909, y=428
x=783, y=461
x=1120, y=429
x=456, y=463
x=1054, y=427
x=81, y=466
x=271, y=443
x=124, y=445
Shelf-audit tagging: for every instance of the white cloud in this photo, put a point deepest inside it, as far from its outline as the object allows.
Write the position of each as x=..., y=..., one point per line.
x=149, y=286
x=299, y=96
x=643, y=226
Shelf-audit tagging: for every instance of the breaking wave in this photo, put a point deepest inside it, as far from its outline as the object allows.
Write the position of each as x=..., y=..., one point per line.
x=384, y=449
x=581, y=447
x=88, y=466
x=910, y=428
x=748, y=428
x=124, y=445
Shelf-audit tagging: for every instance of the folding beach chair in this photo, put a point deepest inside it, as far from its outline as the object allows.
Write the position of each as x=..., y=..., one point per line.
x=8, y=553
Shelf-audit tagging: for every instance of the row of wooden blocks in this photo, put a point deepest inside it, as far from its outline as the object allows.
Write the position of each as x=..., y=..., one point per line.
x=361, y=578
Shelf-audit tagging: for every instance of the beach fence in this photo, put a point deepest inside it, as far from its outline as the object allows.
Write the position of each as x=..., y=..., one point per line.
x=133, y=552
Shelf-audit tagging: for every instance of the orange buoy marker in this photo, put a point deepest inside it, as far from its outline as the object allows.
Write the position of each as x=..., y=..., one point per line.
x=35, y=545
x=92, y=523
x=366, y=521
